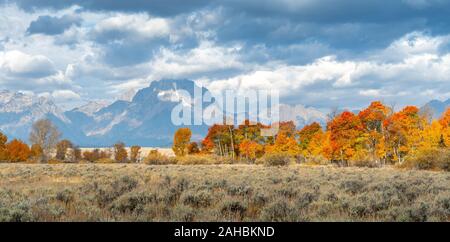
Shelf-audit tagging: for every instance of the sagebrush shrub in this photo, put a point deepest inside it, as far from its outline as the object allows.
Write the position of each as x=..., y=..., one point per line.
x=233, y=209
x=133, y=202
x=116, y=189
x=277, y=159
x=278, y=211
x=64, y=196
x=200, y=199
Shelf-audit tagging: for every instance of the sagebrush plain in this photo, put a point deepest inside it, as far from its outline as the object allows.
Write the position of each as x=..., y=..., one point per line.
x=139, y=192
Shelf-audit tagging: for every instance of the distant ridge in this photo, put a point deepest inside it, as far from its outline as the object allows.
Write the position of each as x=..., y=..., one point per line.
x=437, y=107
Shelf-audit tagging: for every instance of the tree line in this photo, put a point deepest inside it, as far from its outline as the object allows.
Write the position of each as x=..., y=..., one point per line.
x=47, y=146
x=375, y=136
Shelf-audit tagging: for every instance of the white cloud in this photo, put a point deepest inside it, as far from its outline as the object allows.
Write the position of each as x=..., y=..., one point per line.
x=421, y=66
x=17, y=63
x=410, y=45
x=140, y=25
x=133, y=84
x=370, y=93
x=207, y=58
x=65, y=95
x=288, y=78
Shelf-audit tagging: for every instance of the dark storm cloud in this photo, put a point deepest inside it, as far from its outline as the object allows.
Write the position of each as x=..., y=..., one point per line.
x=331, y=11
x=52, y=25
x=319, y=11
x=154, y=7
x=347, y=24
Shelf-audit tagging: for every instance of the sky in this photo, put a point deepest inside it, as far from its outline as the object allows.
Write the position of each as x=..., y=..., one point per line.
x=319, y=53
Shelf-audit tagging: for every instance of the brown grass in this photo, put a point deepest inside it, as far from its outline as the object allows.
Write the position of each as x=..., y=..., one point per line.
x=139, y=192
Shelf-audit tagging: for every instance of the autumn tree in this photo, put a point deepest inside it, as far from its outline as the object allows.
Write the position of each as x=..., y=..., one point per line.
x=95, y=154
x=372, y=119
x=135, y=152
x=403, y=132
x=445, y=124
x=17, y=151
x=91, y=155
x=36, y=153
x=249, y=131
x=193, y=148
x=181, y=140
x=346, y=131
x=77, y=154
x=284, y=144
x=432, y=137
x=287, y=128
x=45, y=134
x=120, y=153
x=61, y=149
x=221, y=140
x=306, y=134
x=311, y=140
x=250, y=149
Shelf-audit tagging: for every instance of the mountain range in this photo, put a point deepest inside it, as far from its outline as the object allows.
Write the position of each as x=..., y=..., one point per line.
x=143, y=118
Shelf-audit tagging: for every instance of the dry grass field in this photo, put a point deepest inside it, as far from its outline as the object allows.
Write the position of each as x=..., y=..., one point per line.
x=138, y=192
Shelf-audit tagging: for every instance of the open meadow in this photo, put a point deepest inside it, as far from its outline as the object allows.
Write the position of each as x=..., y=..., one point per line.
x=139, y=192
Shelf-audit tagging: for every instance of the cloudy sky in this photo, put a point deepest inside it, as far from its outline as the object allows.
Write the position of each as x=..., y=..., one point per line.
x=315, y=52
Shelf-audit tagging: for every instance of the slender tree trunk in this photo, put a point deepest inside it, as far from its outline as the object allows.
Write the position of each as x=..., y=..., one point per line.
x=232, y=142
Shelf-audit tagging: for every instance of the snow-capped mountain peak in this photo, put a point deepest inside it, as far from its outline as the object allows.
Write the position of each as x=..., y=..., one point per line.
x=19, y=110
x=15, y=102
x=92, y=107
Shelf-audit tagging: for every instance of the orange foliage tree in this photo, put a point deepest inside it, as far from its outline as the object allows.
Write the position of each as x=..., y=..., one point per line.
x=17, y=151
x=250, y=150
x=36, y=152
x=181, y=140
x=372, y=119
x=220, y=140
x=94, y=155
x=311, y=138
x=135, y=152
x=346, y=132
x=403, y=132
x=284, y=144
x=445, y=123
x=120, y=153
x=193, y=148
